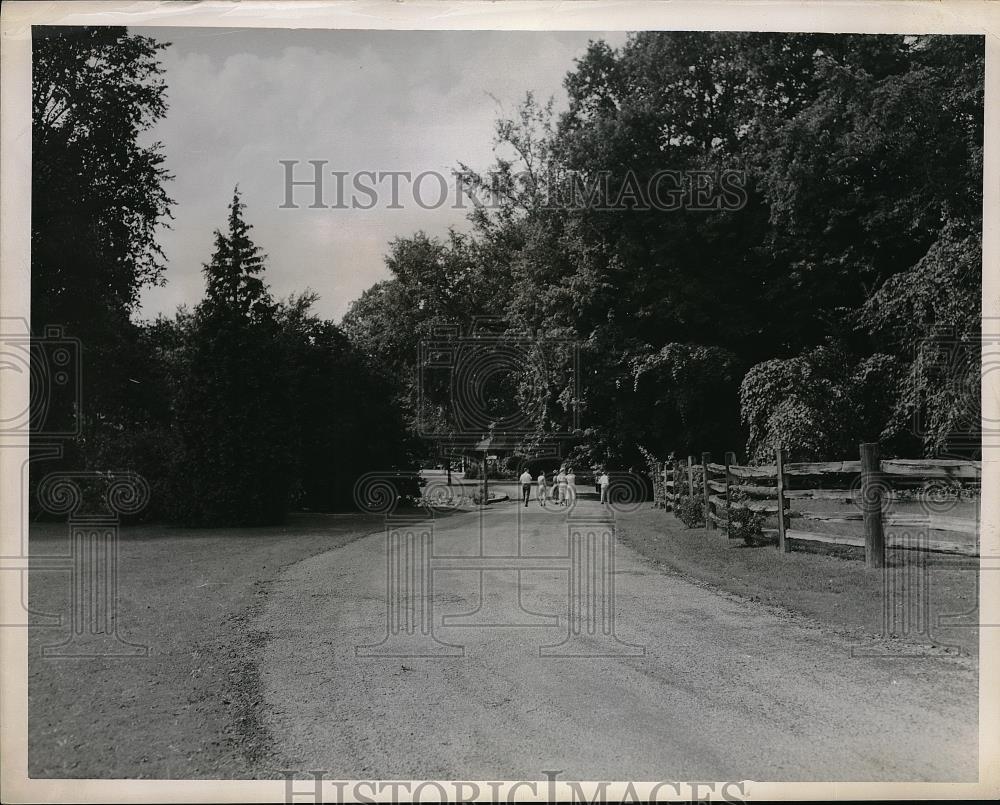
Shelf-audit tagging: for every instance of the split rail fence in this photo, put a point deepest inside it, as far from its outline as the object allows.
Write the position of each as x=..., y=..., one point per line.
x=871, y=484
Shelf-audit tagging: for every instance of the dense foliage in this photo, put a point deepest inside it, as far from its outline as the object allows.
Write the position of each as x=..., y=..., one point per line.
x=788, y=310
x=807, y=276
x=270, y=406
x=234, y=412
x=690, y=510
x=745, y=524
x=97, y=197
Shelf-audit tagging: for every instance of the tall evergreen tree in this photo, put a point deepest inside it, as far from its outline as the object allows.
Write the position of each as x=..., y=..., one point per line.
x=233, y=406
x=234, y=287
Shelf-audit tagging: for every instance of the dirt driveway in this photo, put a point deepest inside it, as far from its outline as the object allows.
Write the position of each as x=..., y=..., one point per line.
x=701, y=685
x=254, y=667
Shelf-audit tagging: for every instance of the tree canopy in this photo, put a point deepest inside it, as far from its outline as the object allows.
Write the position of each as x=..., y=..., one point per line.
x=723, y=241
x=785, y=309
x=234, y=412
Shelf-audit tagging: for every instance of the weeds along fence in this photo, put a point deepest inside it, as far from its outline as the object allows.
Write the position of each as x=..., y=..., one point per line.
x=894, y=503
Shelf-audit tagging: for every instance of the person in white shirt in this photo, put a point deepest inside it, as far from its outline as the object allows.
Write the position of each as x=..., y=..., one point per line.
x=603, y=482
x=571, y=486
x=542, y=490
x=561, y=481
x=525, y=480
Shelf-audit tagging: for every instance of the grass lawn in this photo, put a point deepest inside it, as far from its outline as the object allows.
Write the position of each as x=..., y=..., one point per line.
x=836, y=591
x=189, y=709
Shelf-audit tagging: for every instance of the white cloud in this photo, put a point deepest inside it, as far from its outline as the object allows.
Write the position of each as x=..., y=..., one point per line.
x=363, y=100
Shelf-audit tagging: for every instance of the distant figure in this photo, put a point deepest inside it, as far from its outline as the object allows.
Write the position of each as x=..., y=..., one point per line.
x=526, y=485
x=603, y=483
x=561, y=481
x=571, y=486
x=555, y=488
x=543, y=492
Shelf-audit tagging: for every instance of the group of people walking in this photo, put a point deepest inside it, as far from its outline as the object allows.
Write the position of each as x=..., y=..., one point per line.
x=563, y=487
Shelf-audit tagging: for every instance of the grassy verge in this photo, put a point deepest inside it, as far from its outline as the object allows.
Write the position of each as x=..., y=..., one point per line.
x=189, y=709
x=837, y=591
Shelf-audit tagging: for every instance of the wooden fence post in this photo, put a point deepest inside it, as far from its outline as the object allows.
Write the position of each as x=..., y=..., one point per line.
x=678, y=480
x=871, y=505
x=486, y=481
x=706, y=491
x=730, y=460
x=691, y=476
x=779, y=470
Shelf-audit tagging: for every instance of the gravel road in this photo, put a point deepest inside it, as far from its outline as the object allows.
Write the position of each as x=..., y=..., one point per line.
x=718, y=688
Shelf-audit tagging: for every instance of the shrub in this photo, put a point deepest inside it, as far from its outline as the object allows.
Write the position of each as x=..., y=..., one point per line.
x=745, y=524
x=475, y=472
x=655, y=470
x=691, y=511
x=409, y=487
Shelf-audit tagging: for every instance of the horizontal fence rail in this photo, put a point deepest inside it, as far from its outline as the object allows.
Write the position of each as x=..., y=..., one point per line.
x=874, y=486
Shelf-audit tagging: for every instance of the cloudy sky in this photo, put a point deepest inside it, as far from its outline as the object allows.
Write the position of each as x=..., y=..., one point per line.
x=241, y=100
